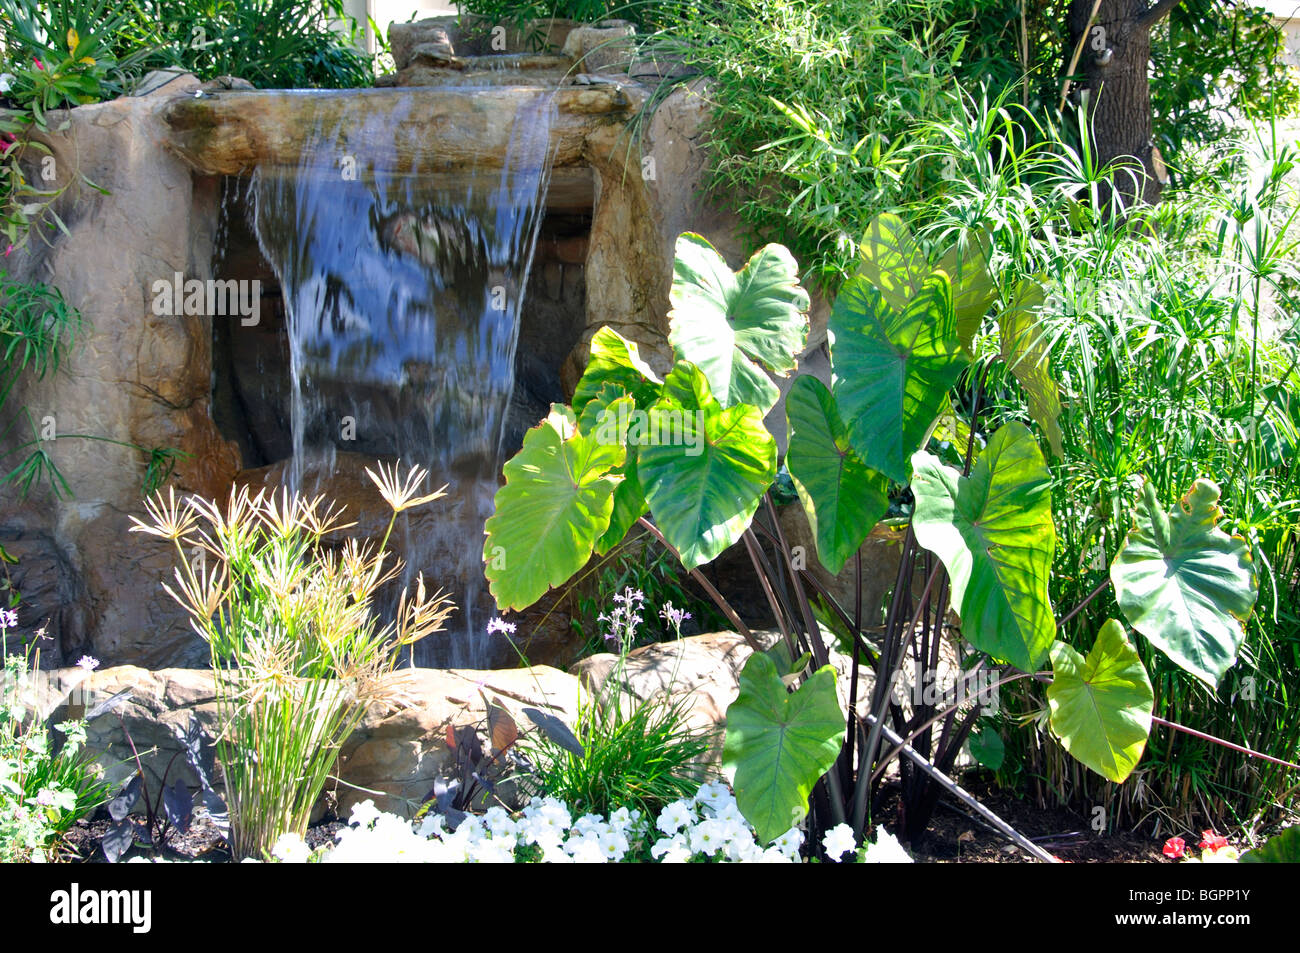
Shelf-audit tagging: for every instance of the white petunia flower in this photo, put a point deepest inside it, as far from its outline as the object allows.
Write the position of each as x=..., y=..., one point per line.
x=886, y=850
x=613, y=845
x=364, y=814
x=839, y=841
x=707, y=837
x=291, y=849
x=674, y=817
x=585, y=850
x=789, y=842
x=671, y=850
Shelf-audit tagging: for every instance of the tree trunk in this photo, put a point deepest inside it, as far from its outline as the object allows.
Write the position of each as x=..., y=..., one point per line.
x=1112, y=71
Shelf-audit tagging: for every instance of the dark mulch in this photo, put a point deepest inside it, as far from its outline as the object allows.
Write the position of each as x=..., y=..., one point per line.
x=202, y=842
x=956, y=836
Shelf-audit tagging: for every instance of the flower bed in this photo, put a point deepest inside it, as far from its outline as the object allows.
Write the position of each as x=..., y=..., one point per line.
x=707, y=828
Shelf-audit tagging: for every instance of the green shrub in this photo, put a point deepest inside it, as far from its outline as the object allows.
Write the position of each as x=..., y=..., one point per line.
x=1171, y=342
x=44, y=789
x=298, y=652
x=281, y=44
x=634, y=754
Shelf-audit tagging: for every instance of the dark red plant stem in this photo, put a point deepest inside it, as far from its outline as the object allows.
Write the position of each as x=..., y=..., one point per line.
x=1079, y=608
x=1220, y=741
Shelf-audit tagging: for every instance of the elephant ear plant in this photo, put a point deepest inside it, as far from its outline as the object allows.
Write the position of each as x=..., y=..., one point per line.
x=298, y=653
x=689, y=458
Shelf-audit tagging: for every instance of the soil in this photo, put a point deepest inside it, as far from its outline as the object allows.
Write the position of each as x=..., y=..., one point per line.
x=958, y=836
x=201, y=842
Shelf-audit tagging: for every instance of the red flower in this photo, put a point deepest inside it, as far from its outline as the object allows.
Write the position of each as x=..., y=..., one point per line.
x=39, y=64
x=9, y=251
x=1212, y=841
x=1176, y=848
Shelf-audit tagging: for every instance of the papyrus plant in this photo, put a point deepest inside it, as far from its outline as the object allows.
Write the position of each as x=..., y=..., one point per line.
x=297, y=649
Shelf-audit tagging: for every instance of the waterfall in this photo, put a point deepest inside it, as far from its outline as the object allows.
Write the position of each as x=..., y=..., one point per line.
x=403, y=293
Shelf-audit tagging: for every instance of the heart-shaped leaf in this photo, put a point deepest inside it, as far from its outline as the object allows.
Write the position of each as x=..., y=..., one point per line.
x=1185, y=584
x=703, y=468
x=613, y=416
x=973, y=288
x=891, y=260
x=118, y=840
x=780, y=743
x=893, y=368
x=732, y=325
x=502, y=729
x=1101, y=705
x=994, y=532
x=988, y=749
x=616, y=360
x=120, y=806
x=629, y=506
x=842, y=496
x=555, y=504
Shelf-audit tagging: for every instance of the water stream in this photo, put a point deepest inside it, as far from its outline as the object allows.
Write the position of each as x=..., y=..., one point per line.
x=403, y=293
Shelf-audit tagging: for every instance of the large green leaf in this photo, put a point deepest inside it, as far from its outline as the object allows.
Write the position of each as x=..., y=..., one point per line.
x=1101, y=705
x=729, y=323
x=973, y=289
x=629, y=506
x=891, y=260
x=994, y=532
x=842, y=496
x=1282, y=848
x=555, y=503
x=703, y=468
x=616, y=360
x=893, y=368
x=613, y=416
x=1186, y=584
x=779, y=744
x=1026, y=353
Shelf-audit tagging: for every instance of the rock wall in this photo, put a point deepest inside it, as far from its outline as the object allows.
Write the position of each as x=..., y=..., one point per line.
x=131, y=377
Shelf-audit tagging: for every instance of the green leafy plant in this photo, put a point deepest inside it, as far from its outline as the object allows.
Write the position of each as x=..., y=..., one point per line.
x=987, y=525
x=621, y=752
x=297, y=650
x=274, y=44
x=70, y=53
x=45, y=788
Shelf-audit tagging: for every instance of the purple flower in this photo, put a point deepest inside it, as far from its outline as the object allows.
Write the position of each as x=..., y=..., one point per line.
x=45, y=798
x=674, y=616
x=8, y=618
x=500, y=625
x=88, y=662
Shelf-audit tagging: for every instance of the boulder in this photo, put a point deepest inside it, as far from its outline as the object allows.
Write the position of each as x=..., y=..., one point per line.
x=606, y=46
x=393, y=757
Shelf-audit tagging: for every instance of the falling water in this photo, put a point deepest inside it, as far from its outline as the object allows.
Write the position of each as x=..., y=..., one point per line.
x=403, y=293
